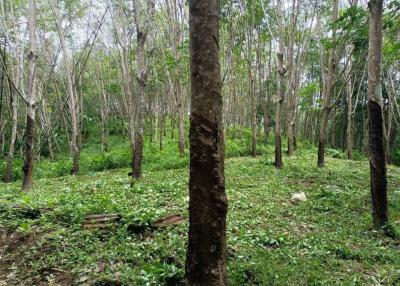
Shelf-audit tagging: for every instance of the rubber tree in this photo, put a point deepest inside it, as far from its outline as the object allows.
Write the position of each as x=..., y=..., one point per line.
x=281, y=88
x=377, y=154
x=327, y=91
x=72, y=94
x=29, y=155
x=207, y=253
x=143, y=26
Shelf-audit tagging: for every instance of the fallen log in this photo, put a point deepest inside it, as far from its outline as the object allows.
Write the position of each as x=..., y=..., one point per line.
x=101, y=221
x=169, y=220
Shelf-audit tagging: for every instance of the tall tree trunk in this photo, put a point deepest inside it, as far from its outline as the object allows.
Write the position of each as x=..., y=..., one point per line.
x=73, y=100
x=142, y=29
x=292, y=80
x=181, y=123
x=281, y=89
x=349, y=91
x=2, y=93
x=207, y=253
x=162, y=123
x=267, y=98
x=253, y=120
x=376, y=121
x=31, y=101
x=104, y=121
x=328, y=89
x=142, y=78
x=128, y=101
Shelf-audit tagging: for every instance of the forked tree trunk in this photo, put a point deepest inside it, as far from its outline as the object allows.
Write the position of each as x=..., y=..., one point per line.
x=207, y=253
x=31, y=101
x=376, y=122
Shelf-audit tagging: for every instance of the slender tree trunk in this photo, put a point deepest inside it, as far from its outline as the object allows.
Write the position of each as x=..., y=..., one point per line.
x=14, y=116
x=73, y=100
x=128, y=102
x=207, y=253
x=104, y=114
x=253, y=111
x=31, y=101
x=2, y=92
x=376, y=121
x=328, y=89
x=181, y=123
x=162, y=123
x=281, y=89
x=267, y=98
x=138, y=152
x=142, y=29
x=349, y=89
x=292, y=80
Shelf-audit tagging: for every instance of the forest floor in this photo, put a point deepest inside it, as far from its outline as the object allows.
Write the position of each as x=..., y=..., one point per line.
x=326, y=240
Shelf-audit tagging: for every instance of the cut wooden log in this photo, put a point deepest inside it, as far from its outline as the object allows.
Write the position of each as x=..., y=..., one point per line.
x=169, y=220
x=103, y=217
x=101, y=221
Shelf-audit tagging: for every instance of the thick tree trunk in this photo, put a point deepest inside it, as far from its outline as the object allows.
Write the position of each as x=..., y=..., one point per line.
x=328, y=88
x=29, y=156
x=376, y=121
x=31, y=101
x=207, y=254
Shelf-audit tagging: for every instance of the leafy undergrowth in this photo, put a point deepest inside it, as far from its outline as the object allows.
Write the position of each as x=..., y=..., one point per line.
x=92, y=158
x=324, y=241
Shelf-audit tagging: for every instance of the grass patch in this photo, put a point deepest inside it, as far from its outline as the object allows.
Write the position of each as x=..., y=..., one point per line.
x=324, y=241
